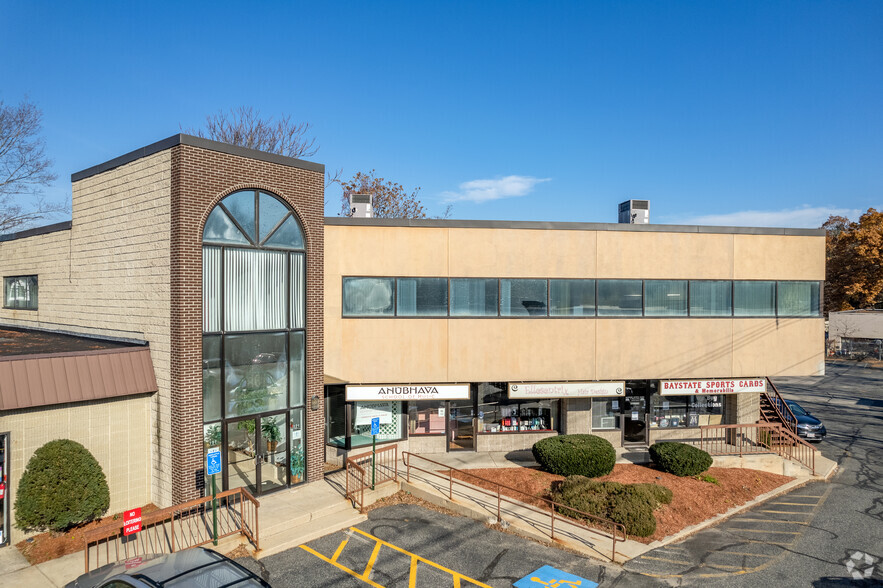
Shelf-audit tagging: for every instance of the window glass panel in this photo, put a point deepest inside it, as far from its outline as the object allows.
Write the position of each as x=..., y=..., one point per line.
x=271, y=213
x=798, y=298
x=605, y=413
x=211, y=378
x=426, y=417
x=335, y=415
x=669, y=412
x=572, y=297
x=537, y=415
x=473, y=297
x=619, y=298
x=391, y=420
x=254, y=290
x=288, y=236
x=20, y=292
x=241, y=207
x=496, y=413
x=711, y=298
x=367, y=296
x=665, y=298
x=211, y=289
x=523, y=297
x=296, y=367
x=709, y=409
x=256, y=373
x=298, y=293
x=220, y=229
x=422, y=297
x=297, y=439
x=754, y=298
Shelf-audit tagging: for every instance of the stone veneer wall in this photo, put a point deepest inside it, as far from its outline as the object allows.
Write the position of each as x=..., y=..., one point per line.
x=109, y=275
x=200, y=179
x=117, y=432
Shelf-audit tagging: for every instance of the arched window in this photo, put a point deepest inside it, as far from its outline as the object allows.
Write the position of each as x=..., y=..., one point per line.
x=254, y=316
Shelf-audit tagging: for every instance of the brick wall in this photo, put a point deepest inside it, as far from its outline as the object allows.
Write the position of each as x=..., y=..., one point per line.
x=201, y=178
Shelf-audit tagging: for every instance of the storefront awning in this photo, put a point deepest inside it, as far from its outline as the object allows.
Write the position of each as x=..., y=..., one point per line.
x=56, y=378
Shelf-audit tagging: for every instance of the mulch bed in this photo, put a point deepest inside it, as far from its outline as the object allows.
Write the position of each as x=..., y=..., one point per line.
x=46, y=546
x=694, y=500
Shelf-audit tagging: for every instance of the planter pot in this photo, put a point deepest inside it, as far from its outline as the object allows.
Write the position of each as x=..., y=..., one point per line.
x=271, y=446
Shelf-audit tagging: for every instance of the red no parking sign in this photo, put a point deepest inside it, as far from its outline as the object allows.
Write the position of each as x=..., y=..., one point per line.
x=132, y=521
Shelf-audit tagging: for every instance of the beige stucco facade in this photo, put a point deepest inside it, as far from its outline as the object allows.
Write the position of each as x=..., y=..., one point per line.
x=109, y=275
x=116, y=432
x=402, y=350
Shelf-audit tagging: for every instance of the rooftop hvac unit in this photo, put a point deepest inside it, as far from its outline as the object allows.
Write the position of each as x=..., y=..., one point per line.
x=634, y=212
x=361, y=205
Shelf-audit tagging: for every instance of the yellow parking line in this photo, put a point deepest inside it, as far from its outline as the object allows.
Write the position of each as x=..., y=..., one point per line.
x=777, y=521
x=412, y=578
x=788, y=512
x=341, y=567
x=764, y=531
x=339, y=550
x=371, y=560
x=674, y=561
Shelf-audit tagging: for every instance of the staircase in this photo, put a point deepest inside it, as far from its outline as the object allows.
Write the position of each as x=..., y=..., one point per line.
x=774, y=409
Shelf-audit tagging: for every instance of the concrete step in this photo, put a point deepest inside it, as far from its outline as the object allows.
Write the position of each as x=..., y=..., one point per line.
x=296, y=535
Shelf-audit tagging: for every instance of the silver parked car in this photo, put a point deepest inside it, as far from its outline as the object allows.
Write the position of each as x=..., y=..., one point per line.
x=199, y=567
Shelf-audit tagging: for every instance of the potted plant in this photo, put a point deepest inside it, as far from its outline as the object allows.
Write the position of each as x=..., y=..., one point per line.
x=212, y=436
x=297, y=464
x=270, y=433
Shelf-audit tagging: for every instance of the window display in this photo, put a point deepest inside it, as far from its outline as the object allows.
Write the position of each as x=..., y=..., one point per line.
x=498, y=414
x=426, y=417
x=605, y=413
x=672, y=412
x=391, y=421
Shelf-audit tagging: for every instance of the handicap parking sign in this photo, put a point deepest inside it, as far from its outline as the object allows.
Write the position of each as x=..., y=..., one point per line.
x=549, y=577
x=375, y=426
x=213, y=461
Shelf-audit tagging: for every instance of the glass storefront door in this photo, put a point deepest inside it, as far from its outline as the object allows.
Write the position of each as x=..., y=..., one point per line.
x=257, y=453
x=461, y=425
x=634, y=418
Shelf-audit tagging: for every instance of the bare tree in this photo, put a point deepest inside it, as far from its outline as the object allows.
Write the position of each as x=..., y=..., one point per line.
x=24, y=167
x=245, y=127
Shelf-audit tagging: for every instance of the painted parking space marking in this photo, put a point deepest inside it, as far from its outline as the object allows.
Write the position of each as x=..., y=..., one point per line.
x=459, y=580
x=549, y=577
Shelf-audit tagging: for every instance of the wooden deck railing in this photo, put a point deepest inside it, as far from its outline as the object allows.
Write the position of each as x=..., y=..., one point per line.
x=358, y=472
x=614, y=527
x=175, y=528
x=753, y=438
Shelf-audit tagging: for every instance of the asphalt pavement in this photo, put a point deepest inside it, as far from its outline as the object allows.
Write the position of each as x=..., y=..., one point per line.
x=820, y=535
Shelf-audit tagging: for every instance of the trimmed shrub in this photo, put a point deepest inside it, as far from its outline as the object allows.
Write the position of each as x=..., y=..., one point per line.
x=575, y=455
x=680, y=459
x=62, y=486
x=631, y=505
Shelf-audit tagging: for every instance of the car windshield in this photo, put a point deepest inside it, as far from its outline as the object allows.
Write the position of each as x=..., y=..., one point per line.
x=797, y=410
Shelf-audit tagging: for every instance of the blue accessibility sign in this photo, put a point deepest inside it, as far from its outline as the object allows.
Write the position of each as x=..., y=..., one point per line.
x=551, y=578
x=375, y=426
x=213, y=461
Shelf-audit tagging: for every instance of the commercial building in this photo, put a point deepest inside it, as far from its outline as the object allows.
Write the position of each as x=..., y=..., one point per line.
x=856, y=333
x=280, y=334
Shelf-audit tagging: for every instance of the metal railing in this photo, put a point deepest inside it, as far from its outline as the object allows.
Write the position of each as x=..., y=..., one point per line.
x=175, y=528
x=358, y=473
x=783, y=411
x=752, y=438
x=501, y=497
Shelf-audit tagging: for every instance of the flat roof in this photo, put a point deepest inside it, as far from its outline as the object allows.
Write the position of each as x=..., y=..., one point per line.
x=563, y=226
x=182, y=139
x=15, y=342
x=62, y=226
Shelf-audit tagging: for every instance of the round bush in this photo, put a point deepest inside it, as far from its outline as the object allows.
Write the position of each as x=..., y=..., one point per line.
x=631, y=505
x=680, y=459
x=62, y=486
x=575, y=455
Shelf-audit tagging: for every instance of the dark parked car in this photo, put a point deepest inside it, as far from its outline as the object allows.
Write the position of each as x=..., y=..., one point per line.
x=808, y=426
x=191, y=567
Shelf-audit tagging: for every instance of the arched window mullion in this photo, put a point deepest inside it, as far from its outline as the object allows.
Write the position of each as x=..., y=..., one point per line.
x=276, y=228
x=236, y=222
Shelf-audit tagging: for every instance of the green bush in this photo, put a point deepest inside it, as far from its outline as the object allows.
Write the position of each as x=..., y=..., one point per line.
x=62, y=486
x=680, y=459
x=631, y=505
x=575, y=455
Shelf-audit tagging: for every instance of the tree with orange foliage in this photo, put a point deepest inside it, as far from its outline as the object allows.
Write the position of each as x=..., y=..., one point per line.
x=854, y=255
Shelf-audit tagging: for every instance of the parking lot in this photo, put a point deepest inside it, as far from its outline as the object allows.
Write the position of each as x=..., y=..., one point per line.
x=817, y=535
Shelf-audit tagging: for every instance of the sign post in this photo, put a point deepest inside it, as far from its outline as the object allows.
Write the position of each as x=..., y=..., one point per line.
x=212, y=467
x=375, y=429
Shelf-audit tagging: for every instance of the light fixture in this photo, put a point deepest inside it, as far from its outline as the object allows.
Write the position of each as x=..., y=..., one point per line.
x=314, y=402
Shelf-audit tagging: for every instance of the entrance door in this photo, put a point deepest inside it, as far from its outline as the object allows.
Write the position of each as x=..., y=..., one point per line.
x=257, y=453
x=461, y=425
x=634, y=418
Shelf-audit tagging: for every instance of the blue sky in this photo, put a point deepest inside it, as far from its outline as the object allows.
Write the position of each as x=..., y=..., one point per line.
x=742, y=113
